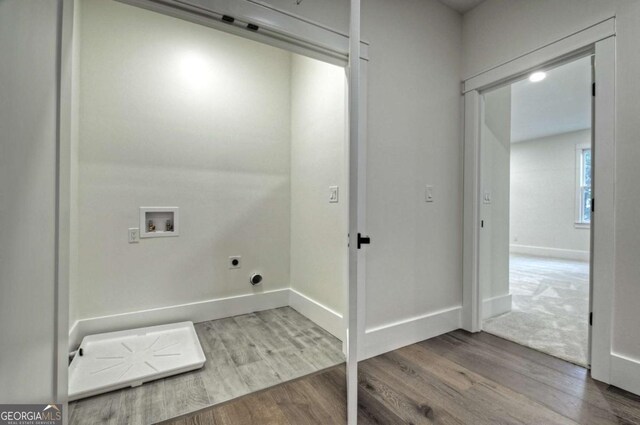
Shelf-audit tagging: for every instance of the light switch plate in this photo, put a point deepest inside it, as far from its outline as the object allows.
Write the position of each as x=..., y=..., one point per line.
x=428, y=193
x=333, y=194
x=134, y=235
x=486, y=198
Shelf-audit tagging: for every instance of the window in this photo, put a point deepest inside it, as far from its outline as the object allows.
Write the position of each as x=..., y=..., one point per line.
x=583, y=180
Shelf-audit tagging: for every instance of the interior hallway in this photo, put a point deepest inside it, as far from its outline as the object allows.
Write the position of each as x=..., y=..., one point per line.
x=244, y=354
x=550, y=307
x=456, y=378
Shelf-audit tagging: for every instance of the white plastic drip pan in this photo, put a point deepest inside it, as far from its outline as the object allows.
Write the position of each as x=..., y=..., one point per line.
x=115, y=360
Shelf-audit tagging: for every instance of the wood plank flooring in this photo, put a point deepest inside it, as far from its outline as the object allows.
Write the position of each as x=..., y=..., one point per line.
x=244, y=354
x=457, y=378
x=315, y=399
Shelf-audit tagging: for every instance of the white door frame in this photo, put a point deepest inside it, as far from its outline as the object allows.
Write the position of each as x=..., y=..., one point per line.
x=598, y=39
x=356, y=208
x=278, y=29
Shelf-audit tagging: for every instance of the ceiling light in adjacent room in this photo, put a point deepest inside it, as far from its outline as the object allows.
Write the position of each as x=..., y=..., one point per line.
x=537, y=76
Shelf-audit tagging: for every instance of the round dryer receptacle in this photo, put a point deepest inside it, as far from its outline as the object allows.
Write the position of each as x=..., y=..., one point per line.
x=255, y=279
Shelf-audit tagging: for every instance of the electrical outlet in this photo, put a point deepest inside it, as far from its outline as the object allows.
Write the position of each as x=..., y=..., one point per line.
x=134, y=235
x=333, y=194
x=235, y=262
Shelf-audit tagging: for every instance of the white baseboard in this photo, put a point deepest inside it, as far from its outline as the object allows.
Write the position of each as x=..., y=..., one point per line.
x=625, y=373
x=195, y=312
x=543, y=251
x=323, y=316
x=383, y=339
x=496, y=305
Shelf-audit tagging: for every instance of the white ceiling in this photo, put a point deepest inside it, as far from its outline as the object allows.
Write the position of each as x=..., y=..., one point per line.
x=461, y=6
x=558, y=104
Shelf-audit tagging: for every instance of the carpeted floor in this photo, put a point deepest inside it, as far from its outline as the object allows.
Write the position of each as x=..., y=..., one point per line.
x=550, y=307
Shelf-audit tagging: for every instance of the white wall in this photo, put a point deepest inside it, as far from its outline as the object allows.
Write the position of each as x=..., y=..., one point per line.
x=318, y=160
x=543, y=196
x=499, y=30
x=494, y=236
x=176, y=114
x=414, y=262
x=204, y=122
x=28, y=108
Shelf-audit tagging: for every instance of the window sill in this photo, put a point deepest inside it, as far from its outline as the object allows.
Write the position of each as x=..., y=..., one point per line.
x=582, y=225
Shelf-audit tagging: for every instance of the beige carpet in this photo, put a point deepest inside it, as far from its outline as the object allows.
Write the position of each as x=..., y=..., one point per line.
x=550, y=307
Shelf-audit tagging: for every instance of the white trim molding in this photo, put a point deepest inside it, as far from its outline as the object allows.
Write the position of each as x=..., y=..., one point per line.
x=323, y=316
x=276, y=27
x=545, y=251
x=195, y=312
x=625, y=373
x=545, y=56
x=356, y=112
x=603, y=226
x=471, y=306
x=497, y=305
x=389, y=337
x=213, y=309
x=63, y=198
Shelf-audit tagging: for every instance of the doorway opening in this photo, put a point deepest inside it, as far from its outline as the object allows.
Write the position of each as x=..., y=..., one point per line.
x=209, y=185
x=535, y=210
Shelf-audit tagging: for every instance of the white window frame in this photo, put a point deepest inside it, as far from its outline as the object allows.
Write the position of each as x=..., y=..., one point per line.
x=580, y=148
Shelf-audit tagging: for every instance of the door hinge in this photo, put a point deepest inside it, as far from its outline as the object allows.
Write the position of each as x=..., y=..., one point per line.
x=482, y=223
x=591, y=319
x=593, y=205
x=363, y=240
x=593, y=89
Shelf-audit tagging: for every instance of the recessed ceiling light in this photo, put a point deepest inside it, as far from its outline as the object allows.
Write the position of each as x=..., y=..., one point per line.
x=537, y=76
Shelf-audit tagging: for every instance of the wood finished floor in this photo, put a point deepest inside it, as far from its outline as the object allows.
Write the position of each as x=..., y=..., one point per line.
x=457, y=378
x=244, y=354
